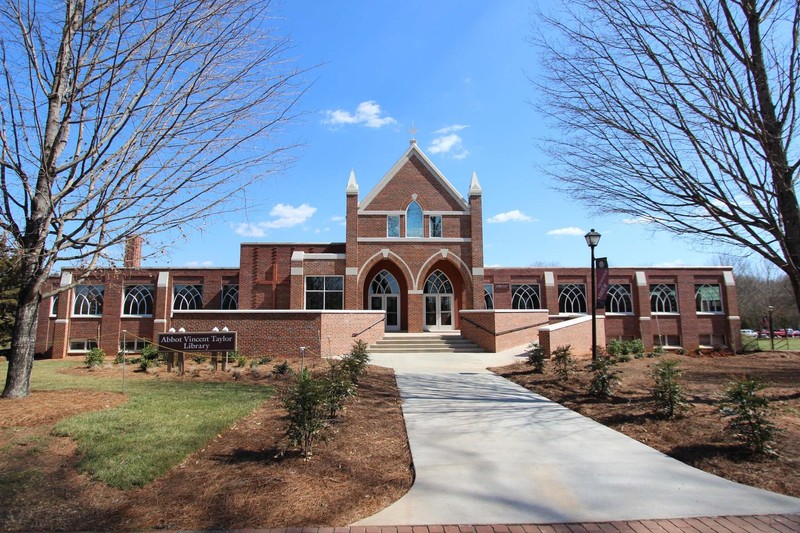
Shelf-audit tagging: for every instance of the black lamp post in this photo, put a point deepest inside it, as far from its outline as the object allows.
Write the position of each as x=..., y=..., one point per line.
x=592, y=238
x=770, y=309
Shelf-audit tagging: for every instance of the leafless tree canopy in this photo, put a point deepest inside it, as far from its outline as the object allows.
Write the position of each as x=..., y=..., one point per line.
x=130, y=117
x=682, y=114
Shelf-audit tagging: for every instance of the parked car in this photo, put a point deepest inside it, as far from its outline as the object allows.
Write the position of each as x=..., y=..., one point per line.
x=748, y=333
x=763, y=334
x=779, y=333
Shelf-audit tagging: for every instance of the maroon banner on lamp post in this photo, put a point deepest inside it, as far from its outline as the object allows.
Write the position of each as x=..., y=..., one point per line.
x=601, y=273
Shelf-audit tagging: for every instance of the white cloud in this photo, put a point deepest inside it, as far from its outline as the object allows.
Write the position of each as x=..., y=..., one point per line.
x=447, y=130
x=637, y=220
x=337, y=218
x=367, y=114
x=196, y=264
x=449, y=142
x=510, y=216
x=285, y=216
x=674, y=263
x=572, y=230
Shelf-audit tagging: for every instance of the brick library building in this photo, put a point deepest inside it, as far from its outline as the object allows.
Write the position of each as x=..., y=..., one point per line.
x=411, y=266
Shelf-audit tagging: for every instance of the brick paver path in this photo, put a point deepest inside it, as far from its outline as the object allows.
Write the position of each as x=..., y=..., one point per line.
x=715, y=524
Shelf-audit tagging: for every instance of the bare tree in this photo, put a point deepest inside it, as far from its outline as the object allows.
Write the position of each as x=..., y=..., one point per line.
x=121, y=118
x=682, y=114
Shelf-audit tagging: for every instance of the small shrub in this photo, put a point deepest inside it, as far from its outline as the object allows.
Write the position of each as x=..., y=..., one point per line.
x=536, y=357
x=748, y=414
x=680, y=351
x=94, y=357
x=194, y=372
x=636, y=346
x=199, y=359
x=307, y=411
x=236, y=357
x=281, y=369
x=119, y=359
x=337, y=387
x=604, y=377
x=563, y=364
x=638, y=355
x=149, y=358
x=667, y=393
x=236, y=374
x=355, y=363
x=624, y=358
x=263, y=360
x=255, y=372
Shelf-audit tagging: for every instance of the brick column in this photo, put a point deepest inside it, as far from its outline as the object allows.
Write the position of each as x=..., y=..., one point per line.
x=641, y=302
x=296, y=300
x=62, y=322
x=162, y=306
x=351, y=288
x=476, y=245
x=731, y=307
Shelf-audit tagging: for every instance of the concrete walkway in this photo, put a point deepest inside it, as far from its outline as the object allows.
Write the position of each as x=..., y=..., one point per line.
x=487, y=451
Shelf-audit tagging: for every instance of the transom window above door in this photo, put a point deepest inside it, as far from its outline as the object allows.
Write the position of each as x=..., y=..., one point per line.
x=384, y=283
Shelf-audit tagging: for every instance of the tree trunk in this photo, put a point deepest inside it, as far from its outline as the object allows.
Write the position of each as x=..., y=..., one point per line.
x=20, y=364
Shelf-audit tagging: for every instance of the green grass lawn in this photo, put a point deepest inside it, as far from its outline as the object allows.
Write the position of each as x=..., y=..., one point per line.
x=158, y=427
x=760, y=345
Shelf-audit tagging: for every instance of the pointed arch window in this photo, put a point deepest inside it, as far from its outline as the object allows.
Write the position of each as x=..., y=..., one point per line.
x=438, y=283
x=663, y=298
x=88, y=300
x=138, y=301
x=525, y=297
x=384, y=283
x=414, y=227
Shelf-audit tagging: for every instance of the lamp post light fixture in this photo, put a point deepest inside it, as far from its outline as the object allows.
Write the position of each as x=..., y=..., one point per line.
x=592, y=239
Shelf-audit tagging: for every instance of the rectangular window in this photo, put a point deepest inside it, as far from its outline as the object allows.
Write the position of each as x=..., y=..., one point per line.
x=667, y=341
x=619, y=299
x=393, y=226
x=435, y=226
x=708, y=298
x=187, y=297
x=230, y=297
x=488, y=296
x=712, y=341
x=138, y=300
x=525, y=297
x=88, y=300
x=132, y=345
x=82, y=345
x=325, y=292
x=572, y=298
x=663, y=298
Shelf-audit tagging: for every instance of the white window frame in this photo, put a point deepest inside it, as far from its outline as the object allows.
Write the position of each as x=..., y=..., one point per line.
x=88, y=344
x=137, y=292
x=570, y=293
x=657, y=292
x=184, y=291
x=615, y=296
x=230, y=293
x=82, y=300
x=700, y=300
x=527, y=292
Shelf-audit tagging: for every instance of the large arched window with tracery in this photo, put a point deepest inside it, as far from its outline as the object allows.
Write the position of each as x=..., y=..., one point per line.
x=384, y=283
x=414, y=226
x=572, y=298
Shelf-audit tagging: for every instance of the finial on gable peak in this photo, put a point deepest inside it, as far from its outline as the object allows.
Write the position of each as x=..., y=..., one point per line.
x=352, y=186
x=474, y=186
x=413, y=132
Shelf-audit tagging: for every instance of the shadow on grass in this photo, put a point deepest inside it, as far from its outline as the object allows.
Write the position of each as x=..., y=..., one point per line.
x=273, y=454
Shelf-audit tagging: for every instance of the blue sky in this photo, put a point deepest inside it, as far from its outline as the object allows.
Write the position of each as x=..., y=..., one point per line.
x=459, y=73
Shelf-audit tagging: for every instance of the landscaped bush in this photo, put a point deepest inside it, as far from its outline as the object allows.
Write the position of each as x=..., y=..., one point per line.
x=94, y=357
x=667, y=393
x=337, y=387
x=622, y=350
x=355, y=363
x=749, y=414
x=281, y=369
x=536, y=357
x=563, y=364
x=149, y=359
x=307, y=411
x=604, y=377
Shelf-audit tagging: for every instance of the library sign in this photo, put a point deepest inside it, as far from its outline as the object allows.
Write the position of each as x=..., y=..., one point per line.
x=212, y=341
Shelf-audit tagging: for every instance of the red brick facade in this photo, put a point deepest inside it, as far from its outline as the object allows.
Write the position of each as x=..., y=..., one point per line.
x=414, y=249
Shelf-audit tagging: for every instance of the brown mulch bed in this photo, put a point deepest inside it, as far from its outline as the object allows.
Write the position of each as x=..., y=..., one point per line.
x=698, y=438
x=240, y=480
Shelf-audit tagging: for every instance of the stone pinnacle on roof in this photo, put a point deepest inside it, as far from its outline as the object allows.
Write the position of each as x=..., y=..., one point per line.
x=474, y=186
x=352, y=186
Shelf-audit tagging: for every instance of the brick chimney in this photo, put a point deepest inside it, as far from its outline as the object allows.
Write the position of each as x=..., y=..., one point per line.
x=133, y=252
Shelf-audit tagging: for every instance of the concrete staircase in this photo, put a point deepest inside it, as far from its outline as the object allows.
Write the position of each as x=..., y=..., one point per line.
x=450, y=342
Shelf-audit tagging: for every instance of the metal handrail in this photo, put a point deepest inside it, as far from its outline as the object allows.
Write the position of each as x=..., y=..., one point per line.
x=497, y=334
x=368, y=328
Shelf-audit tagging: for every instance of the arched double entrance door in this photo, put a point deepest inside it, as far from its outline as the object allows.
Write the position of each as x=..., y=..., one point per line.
x=384, y=295
x=438, y=301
